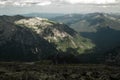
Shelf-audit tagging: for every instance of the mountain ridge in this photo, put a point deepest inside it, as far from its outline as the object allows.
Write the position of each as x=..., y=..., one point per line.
x=90, y=22
x=52, y=31
x=29, y=39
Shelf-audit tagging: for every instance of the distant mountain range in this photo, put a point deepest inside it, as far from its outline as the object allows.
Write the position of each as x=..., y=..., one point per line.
x=90, y=22
x=102, y=28
x=43, y=15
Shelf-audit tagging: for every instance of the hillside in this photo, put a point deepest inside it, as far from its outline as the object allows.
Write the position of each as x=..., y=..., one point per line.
x=101, y=28
x=57, y=33
x=18, y=43
x=90, y=22
x=28, y=39
x=112, y=57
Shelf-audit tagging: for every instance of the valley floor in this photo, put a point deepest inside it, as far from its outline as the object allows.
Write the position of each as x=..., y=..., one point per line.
x=37, y=71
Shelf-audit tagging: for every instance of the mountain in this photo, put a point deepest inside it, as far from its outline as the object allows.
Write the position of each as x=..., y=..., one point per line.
x=20, y=43
x=57, y=33
x=101, y=28
x=35, y=38
x=43, y=15
x=10, y=19
x=29, y=39
x=90, y=22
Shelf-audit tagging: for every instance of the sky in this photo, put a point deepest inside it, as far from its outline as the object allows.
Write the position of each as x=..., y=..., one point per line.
x=10, y=7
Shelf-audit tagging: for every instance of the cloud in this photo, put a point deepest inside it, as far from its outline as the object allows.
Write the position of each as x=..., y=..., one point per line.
x=25, y=2
x=49, y=2
x=2, y=3
x=44, y=3
x=90, y=1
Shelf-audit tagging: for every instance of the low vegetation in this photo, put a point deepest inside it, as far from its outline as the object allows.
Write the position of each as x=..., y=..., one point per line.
x=41, y=71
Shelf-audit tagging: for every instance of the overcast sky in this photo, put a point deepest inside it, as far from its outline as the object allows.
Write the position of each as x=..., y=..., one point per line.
x=58, y=6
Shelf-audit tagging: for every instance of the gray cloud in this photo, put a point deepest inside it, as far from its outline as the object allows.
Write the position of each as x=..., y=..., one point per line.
x=49, y=2
x=25, y=2
x=58, y=6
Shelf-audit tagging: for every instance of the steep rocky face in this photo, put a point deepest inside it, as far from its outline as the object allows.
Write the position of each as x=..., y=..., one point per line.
x=59, y=34
x=21, y=43
x=46, y=28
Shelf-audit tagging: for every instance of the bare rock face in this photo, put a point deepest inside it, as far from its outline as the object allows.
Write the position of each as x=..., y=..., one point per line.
x=45, y=28
x=59, y=34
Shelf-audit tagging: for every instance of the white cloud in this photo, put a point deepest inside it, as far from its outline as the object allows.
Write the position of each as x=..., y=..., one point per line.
x=48, y=2
x=19, y=4
x=2, y=3
x=90, y=1
x=25, y=2
x=44, y=3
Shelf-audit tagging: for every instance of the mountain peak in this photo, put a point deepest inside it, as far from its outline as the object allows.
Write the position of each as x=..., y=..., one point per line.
x=53, y=32
x=34, y=22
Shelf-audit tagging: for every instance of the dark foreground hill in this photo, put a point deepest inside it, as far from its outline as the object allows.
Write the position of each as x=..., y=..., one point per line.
x=20, y=43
